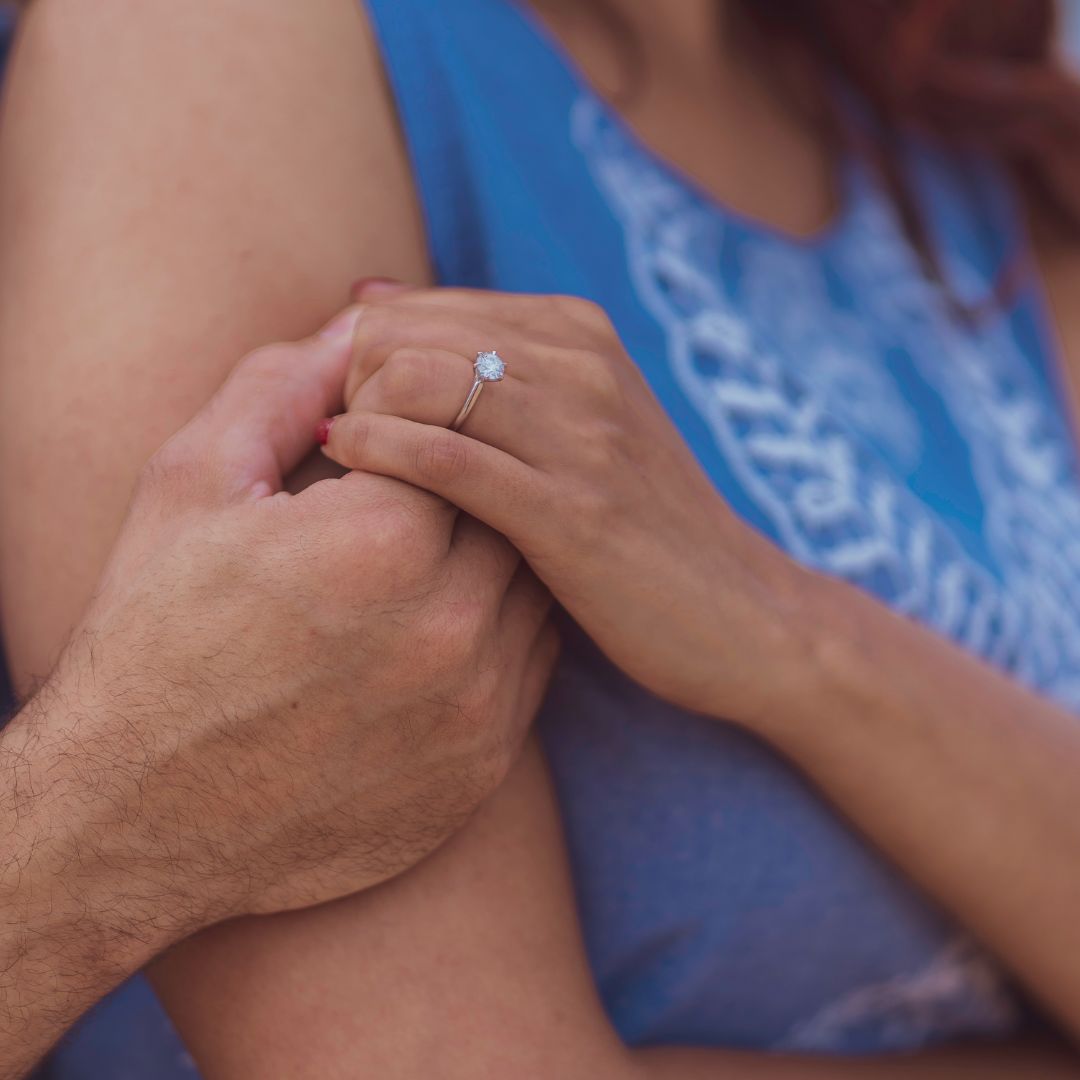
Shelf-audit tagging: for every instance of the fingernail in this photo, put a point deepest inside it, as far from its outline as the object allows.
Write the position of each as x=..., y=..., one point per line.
x=373, y=287
x=322, y=432
x=340, y=331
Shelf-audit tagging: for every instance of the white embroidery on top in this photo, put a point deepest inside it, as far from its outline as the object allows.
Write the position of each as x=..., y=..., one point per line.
x=816, y=432
x=800, y=403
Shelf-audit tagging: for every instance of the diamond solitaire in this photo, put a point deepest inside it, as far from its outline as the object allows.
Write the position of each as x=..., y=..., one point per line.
x=490, y=367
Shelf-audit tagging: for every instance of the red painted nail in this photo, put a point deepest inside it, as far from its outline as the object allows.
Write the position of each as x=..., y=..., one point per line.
x=322, y=432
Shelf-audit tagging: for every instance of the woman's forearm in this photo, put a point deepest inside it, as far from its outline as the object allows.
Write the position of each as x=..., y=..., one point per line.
x=1013, y=1061
x=965, y=779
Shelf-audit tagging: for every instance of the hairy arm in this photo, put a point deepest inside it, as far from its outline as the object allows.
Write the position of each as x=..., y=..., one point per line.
x=179, y=183
x=66, y=936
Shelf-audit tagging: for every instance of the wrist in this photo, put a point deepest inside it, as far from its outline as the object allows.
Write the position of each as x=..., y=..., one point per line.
x=91, y=864
x=68, y=934
x=796, y=625
x=824, y=660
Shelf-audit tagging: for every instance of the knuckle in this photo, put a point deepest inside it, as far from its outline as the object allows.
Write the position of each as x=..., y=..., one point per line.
x=402, y=520
x=604, y=448
x=480, y=767
x=596, y=376
x=478, y=712
x=455, y=631
x=406, y=372
x=441, y=458
x=374, y=328
x=592, y=512
x=174, y=466
x=269, y=362
x=399, y=523
x=492, y=756
x=585, y=312
x=352, y=436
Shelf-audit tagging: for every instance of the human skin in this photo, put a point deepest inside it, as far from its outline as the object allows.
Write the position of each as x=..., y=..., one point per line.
x=472, y=965
x=237, y=728
x=625, y=528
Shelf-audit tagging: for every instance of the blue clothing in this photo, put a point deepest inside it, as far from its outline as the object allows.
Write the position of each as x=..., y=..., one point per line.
x=839, y=407
x=7, y=28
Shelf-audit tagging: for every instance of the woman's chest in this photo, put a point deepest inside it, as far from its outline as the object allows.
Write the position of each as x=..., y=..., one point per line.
x=843, y=407
x=725, y=904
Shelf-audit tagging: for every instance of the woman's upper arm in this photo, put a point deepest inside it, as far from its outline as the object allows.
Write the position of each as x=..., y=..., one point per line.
x=469, y=967
x=179, y=183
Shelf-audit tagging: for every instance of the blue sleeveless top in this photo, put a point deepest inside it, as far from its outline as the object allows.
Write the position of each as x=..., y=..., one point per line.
x=840, y=408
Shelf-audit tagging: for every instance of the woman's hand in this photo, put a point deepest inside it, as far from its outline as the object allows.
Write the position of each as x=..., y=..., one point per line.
x=272, y=701
x=573, y=459
x=960, y=775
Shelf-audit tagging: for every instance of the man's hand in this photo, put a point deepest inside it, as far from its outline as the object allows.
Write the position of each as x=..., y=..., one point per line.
x=274, y=700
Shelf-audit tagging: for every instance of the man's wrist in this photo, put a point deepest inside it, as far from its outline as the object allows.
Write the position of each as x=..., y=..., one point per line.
x=78, y=825
x=73, y=924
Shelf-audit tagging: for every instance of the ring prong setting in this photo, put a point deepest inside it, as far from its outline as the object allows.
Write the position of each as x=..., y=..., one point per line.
x=490, y=367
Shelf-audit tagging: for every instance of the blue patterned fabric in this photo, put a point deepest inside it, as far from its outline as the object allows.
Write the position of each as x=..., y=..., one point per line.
x=840, y=407
x=842, y=410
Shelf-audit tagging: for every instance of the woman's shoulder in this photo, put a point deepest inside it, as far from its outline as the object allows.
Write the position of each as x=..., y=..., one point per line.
x=250, y=98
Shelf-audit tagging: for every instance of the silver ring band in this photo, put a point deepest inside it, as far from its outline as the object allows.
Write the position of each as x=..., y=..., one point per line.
x=489, y=367
x=470, y=403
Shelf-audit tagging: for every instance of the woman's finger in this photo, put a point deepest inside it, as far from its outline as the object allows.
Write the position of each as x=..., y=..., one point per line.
x=430, y=386
x=531, y=356
x=487, y=483
x=419, y=384
x=526, y=311
x=385, y=329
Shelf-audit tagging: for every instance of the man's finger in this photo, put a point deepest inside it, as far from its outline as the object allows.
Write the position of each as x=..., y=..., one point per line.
x=484, y=562
x=527, y=604
x=261, y=424
x=346, y=509
x=487, y=483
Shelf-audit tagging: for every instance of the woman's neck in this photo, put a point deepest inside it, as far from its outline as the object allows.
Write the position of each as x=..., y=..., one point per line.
x=689, y=83
x=684, y=29
x=686, y=36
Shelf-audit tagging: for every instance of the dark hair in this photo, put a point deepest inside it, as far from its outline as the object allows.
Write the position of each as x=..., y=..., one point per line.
x=977, y=75
x=984, y=75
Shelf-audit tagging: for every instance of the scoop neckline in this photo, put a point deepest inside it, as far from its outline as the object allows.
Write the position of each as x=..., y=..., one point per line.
x=848, y=179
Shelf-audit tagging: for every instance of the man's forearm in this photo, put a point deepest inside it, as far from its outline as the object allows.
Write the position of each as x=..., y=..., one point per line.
x=72, y=927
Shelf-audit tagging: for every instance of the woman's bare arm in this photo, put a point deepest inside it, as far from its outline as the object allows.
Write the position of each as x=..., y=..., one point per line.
x=470, y=967
x=192, y=180
x=181, y=183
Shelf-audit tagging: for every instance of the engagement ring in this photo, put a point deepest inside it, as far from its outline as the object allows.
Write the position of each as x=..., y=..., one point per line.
x=489, y=367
